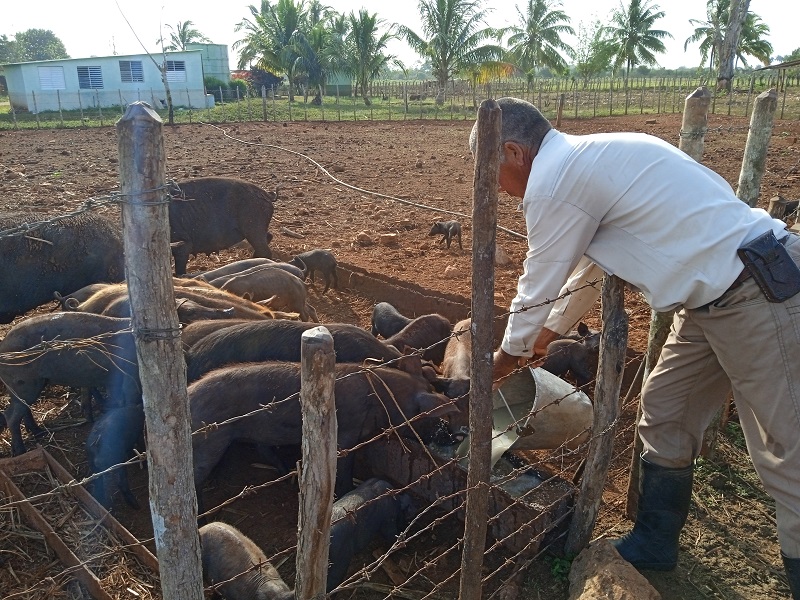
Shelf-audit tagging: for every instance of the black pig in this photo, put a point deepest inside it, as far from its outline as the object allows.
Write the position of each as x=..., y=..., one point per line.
x=367, y=402
x=430, y=332
x=213, y=213
x=278, y=339
x=194, y=332
x=577, y=354
x=358, y=517
x=62, y=256
x=387, y=320
x=111, y=442
x=108, y=361
x=318, y=260
x=448, y=230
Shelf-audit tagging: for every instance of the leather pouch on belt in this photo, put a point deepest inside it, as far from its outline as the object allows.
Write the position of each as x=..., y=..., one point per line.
x=771, y=267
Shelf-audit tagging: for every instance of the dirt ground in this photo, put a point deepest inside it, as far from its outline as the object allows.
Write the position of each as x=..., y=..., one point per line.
x=399, y=177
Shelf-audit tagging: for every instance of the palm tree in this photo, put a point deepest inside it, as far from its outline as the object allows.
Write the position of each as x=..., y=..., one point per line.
x=752, y=42
x=631, y=36
x=268, y=40
x=183, y=34
x=365, y=50
x=536, y=42
x=454, y=40
x=711, y=33
x=320, y=53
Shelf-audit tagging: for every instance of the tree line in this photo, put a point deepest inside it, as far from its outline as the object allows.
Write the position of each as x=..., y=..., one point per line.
x=309, y=43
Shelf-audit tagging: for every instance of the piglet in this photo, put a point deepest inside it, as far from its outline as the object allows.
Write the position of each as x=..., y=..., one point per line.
x=111, y=442
x=230, y=556
x=448, y=230
x=318, y=260
x=359, y=517
x=577, y=354
x=387, y=320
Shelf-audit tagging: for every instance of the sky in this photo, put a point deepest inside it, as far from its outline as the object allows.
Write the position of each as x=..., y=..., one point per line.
x=99, y=27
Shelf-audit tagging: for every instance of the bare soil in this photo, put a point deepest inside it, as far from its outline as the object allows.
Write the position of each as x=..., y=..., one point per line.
x=399, y=177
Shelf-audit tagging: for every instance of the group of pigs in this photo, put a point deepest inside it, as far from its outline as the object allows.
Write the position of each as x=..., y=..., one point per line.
x=240, y=360
x=242, y=349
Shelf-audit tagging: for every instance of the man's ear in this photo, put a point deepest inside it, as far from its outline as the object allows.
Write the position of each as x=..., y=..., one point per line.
x=514, y=153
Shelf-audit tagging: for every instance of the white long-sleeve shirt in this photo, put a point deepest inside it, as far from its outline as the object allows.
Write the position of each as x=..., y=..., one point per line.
x=635, y=206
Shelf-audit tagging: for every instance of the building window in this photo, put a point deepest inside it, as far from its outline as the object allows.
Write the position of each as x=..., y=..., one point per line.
x=131, y=71
x=176, y=71
x=52, y=78
x=90, y=78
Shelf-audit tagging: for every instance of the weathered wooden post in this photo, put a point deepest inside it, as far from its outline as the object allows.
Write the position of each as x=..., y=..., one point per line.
x=318, y=471
x=755, y=150
x=559, y=110
x=162, y=370
x=484, y=220
x=692, y=142
x=695, y=123
x=613, y=345
x=777, y=207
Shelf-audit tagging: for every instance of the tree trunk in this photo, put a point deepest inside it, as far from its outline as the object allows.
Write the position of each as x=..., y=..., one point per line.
x=738, y=12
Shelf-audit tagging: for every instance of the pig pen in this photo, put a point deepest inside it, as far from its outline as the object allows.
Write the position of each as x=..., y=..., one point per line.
x=527, y=513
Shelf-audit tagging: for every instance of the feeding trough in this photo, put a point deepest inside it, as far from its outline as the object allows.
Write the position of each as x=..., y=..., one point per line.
x=532, y=410
x=536, y=410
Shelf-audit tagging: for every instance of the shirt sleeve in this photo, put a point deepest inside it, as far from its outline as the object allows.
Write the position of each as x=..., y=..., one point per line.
x=580, y=293
x=558, y=235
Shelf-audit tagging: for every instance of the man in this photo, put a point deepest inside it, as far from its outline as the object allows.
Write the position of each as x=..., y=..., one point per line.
x=637, y=207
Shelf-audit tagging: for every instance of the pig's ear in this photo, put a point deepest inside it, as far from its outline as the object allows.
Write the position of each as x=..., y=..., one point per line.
x=583, y=329
x=433, y=405
x=410, y=363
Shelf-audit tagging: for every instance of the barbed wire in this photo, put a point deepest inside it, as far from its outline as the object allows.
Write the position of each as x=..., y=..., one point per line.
x=44, y=347
x=364, y=573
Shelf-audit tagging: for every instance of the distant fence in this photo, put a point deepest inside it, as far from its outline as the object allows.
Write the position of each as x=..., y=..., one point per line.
x=400, y=100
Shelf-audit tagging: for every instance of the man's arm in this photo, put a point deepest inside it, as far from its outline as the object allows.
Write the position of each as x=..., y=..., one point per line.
x=569, y=310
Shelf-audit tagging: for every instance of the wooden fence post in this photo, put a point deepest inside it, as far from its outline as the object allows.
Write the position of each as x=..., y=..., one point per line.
x=484, y=222
x=162, y=370
x=755, y=150
x=35, y=108
x=318, y=471
x=695, y=123
x=777, y=207
x=613, y=345
x=692, y=142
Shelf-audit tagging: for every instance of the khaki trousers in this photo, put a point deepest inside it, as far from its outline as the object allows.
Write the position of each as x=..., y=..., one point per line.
x=744, y=342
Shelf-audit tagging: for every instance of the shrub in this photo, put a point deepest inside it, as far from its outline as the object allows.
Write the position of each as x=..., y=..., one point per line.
x=242, y=86
x=213, y=86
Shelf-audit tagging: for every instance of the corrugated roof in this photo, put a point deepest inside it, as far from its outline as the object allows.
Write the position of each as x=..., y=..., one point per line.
x=783, y=65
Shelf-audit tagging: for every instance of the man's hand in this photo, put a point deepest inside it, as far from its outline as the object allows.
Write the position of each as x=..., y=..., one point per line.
x=543, y=341
x=504, y=364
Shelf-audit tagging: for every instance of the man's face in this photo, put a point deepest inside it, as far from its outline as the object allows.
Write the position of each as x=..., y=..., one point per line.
x=514, y=169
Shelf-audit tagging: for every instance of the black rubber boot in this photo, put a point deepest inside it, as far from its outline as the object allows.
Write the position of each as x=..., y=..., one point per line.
x=792, y=566
x=664, y=496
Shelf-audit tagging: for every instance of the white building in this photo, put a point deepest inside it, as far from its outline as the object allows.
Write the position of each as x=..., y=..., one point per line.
x=106, y=81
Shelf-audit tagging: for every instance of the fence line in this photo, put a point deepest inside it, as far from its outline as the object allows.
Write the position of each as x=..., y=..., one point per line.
x=414, y=99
